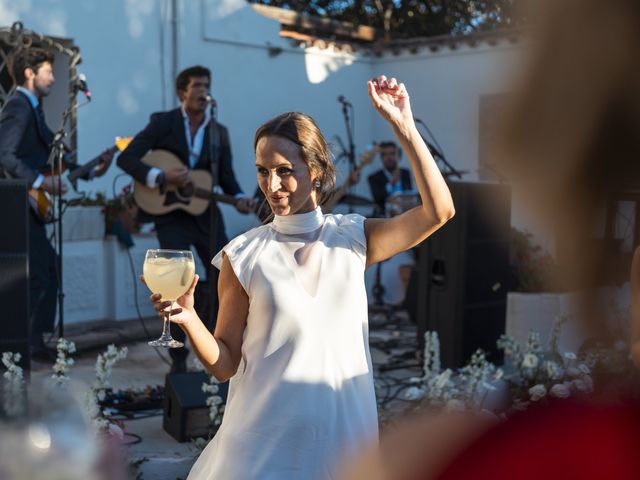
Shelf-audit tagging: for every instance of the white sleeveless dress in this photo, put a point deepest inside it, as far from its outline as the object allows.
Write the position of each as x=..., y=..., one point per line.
x=303, y=398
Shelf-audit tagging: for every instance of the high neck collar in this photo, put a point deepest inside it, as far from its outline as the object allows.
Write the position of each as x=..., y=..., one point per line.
x=298, y=223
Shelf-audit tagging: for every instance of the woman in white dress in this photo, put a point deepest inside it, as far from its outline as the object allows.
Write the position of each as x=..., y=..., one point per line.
x=292, y=328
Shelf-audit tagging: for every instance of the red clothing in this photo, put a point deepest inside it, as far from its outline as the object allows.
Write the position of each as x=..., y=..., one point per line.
x=566, y=440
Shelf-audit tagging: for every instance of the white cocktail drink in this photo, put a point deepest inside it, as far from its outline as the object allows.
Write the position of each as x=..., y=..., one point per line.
x=170, y=277
x=170, y=274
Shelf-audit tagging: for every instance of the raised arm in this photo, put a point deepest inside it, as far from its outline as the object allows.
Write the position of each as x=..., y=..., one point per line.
x=390, y=236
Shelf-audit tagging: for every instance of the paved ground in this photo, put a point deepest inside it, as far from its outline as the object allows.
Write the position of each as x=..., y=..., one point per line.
x=393, y=352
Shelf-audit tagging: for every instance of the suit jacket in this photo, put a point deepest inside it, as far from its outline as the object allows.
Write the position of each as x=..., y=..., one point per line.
x=378, y=184
x=166, y=131
x=24, y=139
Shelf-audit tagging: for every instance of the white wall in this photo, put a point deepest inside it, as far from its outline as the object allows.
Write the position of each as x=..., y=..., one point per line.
x=127, y=64
x=120, y=41
x=446, y=87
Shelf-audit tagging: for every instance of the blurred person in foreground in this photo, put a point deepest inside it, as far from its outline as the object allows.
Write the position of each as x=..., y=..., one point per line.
x=570, y=143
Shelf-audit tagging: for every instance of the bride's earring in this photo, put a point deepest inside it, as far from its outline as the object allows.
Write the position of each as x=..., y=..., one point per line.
x=317, y=184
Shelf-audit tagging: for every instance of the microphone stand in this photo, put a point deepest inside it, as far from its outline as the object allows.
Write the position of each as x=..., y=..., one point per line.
x=55, y=160
x=351, y=153
x=214, y=150
x=437, y=152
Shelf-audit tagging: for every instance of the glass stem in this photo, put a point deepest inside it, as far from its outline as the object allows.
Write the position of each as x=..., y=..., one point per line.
x=167, y=322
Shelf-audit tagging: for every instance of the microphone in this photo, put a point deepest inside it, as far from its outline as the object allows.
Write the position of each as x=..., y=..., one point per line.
x=81, y=86
x=344, y=101
x=214, y=105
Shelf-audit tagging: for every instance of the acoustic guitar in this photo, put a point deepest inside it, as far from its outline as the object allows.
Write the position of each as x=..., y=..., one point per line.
x=193, y=198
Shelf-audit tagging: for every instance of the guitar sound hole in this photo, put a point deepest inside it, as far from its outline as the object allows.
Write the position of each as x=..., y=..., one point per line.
x=186, y=192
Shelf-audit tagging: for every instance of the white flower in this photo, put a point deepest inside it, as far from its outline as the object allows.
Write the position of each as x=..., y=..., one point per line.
x=581, y=386
x=414, y=393
x=560, y=390
x=584, y=369
x=443, y=379
x=14, y=386
x=200, y=443
x=530, y=361
x=537, y=392
x=554, y=371
x=588, y=383
x=116, y=431
x=573, y=372
x=570, y=356
x=197, y=364
x=455, y=405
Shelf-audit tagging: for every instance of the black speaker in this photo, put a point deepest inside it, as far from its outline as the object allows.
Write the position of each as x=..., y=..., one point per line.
x=14, y=268
x=462, y=277
x=186, y=414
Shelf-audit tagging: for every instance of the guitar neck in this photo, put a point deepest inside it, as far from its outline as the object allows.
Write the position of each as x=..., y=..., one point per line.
x=82, y=170
x=218, y=197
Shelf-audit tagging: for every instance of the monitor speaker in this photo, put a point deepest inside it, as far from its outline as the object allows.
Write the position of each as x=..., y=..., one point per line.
x=459, y=287
x=186, y=414
x=14, y=265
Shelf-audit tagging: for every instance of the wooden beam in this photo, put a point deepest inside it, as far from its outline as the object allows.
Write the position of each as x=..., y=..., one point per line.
x=307, y=22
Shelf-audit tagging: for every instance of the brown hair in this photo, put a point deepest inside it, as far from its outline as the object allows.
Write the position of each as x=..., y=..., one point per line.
x=23, y=58
x=302, y=130
x=185, y=76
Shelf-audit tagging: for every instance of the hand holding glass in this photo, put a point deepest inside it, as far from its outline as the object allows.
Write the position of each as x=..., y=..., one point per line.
x=170, y=274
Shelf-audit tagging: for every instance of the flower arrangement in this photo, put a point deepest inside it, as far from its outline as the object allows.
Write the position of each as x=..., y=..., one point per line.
x=119, y=210
x=538, y=373
x=532, y=373
x=97, y=393
x=14, y=385
x=215, y=402
x=464, y=389
x=534, y=268
x=63, y=363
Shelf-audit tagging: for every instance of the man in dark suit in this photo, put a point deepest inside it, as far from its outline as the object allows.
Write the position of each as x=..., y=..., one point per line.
x=185, y=132
x=25, y=144
x=391, y=178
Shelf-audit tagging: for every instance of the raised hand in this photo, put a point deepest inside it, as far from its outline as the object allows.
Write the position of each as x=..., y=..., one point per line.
x=178, y=176
x=106, y=158
x=182, y=310
x=391, y=100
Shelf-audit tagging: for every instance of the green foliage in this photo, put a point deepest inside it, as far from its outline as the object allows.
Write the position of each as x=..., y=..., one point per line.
x=410, y=18
x=536, y=270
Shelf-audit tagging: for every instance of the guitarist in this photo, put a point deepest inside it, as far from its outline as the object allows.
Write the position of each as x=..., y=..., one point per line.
x=184, y=132
x=25, y=143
